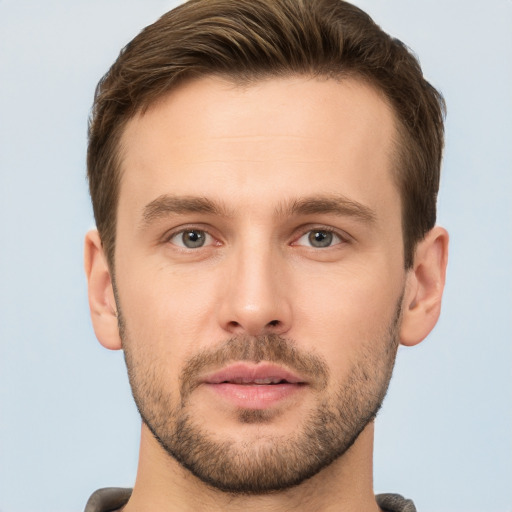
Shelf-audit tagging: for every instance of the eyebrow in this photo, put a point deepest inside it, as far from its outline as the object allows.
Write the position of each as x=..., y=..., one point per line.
x=165, y=205
x=334, y=204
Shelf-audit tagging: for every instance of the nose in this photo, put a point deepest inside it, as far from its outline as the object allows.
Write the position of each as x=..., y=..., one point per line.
x=255, y=297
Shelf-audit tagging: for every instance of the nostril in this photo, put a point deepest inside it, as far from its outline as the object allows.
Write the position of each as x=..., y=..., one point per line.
x=253, y=328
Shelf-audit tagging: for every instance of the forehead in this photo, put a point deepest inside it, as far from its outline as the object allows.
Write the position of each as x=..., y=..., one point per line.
x=278, y=137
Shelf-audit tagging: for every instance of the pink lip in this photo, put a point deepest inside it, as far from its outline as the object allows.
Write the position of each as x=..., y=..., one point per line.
x=252, y=386
x=244, y=373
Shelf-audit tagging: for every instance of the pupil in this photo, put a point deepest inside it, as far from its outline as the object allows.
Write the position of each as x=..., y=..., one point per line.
x=193, y=239
x=320, y=238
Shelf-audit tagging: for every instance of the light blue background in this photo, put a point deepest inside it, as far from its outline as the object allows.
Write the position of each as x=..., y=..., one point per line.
x=67, y=422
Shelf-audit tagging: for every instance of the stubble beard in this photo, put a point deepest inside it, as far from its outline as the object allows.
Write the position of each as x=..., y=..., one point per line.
x=265, y=463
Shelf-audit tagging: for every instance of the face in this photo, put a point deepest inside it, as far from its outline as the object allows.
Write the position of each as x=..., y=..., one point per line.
x=259, y=274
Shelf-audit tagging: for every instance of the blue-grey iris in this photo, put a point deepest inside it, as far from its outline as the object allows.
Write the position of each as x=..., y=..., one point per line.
x=193, y=238
x=320, y=238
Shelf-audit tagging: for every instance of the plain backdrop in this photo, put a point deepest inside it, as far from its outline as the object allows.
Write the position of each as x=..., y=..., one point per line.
x=67, y=422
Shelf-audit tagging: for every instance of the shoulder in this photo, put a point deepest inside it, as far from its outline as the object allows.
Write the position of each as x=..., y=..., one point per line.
x=394, y=503
x=108, y=499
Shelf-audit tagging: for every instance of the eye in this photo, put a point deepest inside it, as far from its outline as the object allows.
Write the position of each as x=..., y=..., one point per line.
x=191, y=238
x=319, y=238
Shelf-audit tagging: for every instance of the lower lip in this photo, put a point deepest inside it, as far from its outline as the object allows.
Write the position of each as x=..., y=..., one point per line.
x=255, y=396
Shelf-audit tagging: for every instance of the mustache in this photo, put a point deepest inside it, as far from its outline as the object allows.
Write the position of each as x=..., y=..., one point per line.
x=271, y=348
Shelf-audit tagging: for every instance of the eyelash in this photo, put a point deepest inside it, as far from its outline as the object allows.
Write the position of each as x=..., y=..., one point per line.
x=191, y=229
x=342, y=237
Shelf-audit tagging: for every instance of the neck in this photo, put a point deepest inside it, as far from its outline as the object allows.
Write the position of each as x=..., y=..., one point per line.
x=163, y=485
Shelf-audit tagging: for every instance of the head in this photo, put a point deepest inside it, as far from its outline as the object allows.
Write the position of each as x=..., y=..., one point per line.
x=247, y=41
x=264, y=178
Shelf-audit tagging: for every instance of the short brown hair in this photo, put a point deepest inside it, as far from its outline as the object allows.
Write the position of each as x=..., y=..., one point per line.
x=247, y=40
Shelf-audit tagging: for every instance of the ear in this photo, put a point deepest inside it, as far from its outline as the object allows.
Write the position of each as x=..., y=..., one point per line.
x=424, y=287
x=102, y=303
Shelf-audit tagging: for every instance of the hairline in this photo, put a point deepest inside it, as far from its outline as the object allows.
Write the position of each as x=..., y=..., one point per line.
x=398, y=143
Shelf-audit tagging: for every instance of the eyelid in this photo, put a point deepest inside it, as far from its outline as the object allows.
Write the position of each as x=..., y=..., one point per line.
x=299, y=233
x=169, y=235
x=305, y=230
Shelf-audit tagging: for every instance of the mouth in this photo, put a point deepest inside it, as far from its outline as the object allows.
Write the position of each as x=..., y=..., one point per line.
x=254, y=386
x=248, y=374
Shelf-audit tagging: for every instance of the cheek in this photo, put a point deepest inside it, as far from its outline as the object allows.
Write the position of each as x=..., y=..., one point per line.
x=346, y=310
x=167, y=310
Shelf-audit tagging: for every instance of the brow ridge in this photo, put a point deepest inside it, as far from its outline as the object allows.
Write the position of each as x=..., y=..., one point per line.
x=336, y=204
x=167, y=204
x=325, y=204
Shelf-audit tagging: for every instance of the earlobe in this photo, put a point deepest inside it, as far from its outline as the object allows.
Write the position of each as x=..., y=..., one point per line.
x=102, y=303
x=424, y=289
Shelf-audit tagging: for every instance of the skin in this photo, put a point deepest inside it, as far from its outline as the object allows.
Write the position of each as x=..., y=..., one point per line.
x=253, y=151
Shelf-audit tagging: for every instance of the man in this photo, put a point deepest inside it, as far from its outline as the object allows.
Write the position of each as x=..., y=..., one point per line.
x=264, y=176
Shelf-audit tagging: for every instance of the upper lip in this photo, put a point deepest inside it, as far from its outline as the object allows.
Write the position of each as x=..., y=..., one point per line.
x=244, y=373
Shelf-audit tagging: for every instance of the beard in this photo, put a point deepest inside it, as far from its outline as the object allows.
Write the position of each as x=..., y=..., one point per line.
x=264, y=463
